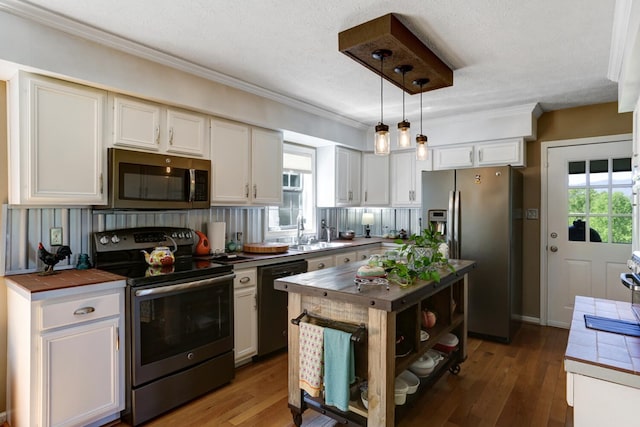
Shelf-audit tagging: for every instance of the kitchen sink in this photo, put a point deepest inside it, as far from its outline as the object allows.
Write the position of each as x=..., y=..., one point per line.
x=316, y=246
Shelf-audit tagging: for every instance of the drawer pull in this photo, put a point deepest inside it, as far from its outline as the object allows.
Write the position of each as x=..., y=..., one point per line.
x=84, y=310
x=321, y=265
x=245, y=280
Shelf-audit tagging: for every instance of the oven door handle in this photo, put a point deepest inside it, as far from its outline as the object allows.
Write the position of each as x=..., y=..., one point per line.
x=633, y=284
x=181, y=286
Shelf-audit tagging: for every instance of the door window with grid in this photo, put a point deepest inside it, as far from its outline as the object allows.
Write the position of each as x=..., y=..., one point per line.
x=600, y=200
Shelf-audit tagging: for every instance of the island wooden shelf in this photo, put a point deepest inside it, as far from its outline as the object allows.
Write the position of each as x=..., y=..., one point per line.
x=332, y=294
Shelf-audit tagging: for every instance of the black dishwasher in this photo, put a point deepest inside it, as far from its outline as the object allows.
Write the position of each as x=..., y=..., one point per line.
x=272, y=306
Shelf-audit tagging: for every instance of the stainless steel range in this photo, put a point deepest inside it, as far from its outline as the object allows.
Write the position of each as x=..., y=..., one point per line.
x=179, y=319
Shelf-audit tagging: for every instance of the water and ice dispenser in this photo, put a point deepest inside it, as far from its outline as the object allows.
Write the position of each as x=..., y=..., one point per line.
x=438, y=218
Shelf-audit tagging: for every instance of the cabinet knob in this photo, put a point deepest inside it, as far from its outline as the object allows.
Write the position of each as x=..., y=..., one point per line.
x=321, y=265
x=245, y=280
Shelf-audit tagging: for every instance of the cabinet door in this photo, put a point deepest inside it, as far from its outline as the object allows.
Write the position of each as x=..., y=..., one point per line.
x=355, y=171
x=404, y=177
x=229, y=163
x=501, y=153
x=81, y=373
x=60, y=124
x=453, y=157
x=375, y=180
x=245, y=323
x=186, y=133
x=136, y=123
x=343, y=163
x=266, y=167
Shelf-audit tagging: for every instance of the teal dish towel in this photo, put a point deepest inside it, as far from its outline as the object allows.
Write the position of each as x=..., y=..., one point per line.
x=339, y=368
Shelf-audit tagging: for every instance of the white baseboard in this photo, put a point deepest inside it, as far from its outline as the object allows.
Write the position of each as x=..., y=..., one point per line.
x=528, y=319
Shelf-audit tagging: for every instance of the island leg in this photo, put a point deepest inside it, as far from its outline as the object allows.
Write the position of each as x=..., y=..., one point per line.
x=381, y=375
x=295, y=395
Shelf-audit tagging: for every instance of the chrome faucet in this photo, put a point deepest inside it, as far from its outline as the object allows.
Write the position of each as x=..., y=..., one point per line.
x=300, y=227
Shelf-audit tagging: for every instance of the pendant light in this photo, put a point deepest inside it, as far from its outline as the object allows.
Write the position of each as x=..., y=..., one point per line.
x=381, y=142
x=421, y=139
x=404, y=127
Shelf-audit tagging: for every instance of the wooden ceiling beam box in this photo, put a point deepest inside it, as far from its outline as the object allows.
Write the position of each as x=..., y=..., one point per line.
x=387, y=32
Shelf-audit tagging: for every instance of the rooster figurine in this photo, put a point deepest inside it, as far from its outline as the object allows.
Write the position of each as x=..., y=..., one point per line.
x=52, y=259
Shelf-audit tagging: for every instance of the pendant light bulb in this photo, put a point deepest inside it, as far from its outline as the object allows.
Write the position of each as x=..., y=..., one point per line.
x=381, y=144
x=404, y=127
x=421, y=140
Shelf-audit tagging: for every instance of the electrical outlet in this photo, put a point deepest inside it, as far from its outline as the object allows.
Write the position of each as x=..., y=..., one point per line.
x=55, y=236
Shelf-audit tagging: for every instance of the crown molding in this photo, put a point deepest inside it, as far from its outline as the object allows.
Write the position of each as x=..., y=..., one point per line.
x=621, y=18
x=87, y=32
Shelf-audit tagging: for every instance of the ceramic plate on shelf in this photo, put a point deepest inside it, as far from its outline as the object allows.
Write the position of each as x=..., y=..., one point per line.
x=424, y=335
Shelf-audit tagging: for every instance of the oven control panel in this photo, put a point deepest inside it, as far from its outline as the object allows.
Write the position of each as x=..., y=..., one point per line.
x=142, y=238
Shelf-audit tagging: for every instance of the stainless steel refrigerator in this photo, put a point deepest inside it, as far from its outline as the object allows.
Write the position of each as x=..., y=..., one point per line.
x=480, y=211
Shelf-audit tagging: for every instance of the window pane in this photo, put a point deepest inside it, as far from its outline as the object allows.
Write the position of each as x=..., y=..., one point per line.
x=622, y=171
x=621, y=201
x=577, y=201
x=599, y=201
x=577, y=175
x=598, y=172
x=622, y=229
x=599, y=229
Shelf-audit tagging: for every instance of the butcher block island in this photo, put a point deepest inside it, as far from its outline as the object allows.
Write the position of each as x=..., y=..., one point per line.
x=389, y=336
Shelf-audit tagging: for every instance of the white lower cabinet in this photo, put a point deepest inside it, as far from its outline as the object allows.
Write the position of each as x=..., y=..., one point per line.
x=319, y=263
x=245, y=323
x=65, y=364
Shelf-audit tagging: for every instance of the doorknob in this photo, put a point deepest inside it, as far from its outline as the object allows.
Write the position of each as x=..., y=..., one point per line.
x=553, y=249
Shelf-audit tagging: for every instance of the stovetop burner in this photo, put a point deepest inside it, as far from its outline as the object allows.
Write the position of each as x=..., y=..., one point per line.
x=120, y=252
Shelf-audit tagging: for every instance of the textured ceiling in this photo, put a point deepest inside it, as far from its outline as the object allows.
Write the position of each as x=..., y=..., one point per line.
x=503, y=52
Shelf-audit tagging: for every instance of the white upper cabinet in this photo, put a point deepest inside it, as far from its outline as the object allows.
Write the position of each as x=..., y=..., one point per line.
x=153, y=127
x=406, y=184
x=186, y=133
x=246, y=165
x=375, y=180
x=266, y=167
x=499, y=153
x=489, y=153
x=135, y=123
x=56, y=142
x=338, y=176
x=453, y=157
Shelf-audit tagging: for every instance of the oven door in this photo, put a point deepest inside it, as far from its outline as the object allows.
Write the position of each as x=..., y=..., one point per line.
x=177, y=325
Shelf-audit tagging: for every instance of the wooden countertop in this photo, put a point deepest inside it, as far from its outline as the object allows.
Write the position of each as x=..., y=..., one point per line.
x=589, y=348
x=337, y=283
x=62, y=279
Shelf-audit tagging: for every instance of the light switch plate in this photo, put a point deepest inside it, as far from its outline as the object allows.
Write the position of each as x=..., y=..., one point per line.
x=55, y=236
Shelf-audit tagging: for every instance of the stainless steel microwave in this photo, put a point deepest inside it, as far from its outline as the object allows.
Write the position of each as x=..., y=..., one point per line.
x=139, y=180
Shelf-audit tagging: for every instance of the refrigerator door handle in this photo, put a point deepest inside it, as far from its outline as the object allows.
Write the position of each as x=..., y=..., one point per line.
x=450, y=232
x=456, y=225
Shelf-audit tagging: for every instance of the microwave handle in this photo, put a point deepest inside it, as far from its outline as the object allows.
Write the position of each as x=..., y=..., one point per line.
x=192, y=185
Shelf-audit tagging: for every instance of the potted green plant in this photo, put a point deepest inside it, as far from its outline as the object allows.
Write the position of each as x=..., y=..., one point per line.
x=419, y=257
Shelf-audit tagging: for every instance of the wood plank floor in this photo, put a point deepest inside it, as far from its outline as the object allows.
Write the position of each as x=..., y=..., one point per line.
x=520, y=384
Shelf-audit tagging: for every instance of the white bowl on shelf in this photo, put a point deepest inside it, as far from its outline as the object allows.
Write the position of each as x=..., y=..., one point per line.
x=424, y=366
x=401, y=389
x=411, y=379
x=363, y=396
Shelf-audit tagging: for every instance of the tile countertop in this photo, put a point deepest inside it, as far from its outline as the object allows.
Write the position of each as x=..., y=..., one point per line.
x=34, y=283
x=603, y=355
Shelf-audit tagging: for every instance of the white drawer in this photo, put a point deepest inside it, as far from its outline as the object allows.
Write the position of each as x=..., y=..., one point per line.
x=245, y=278
x=79, y=310
x=319, y=263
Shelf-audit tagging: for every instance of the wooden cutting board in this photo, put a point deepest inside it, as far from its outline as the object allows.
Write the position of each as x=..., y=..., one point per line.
x=265, y=248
